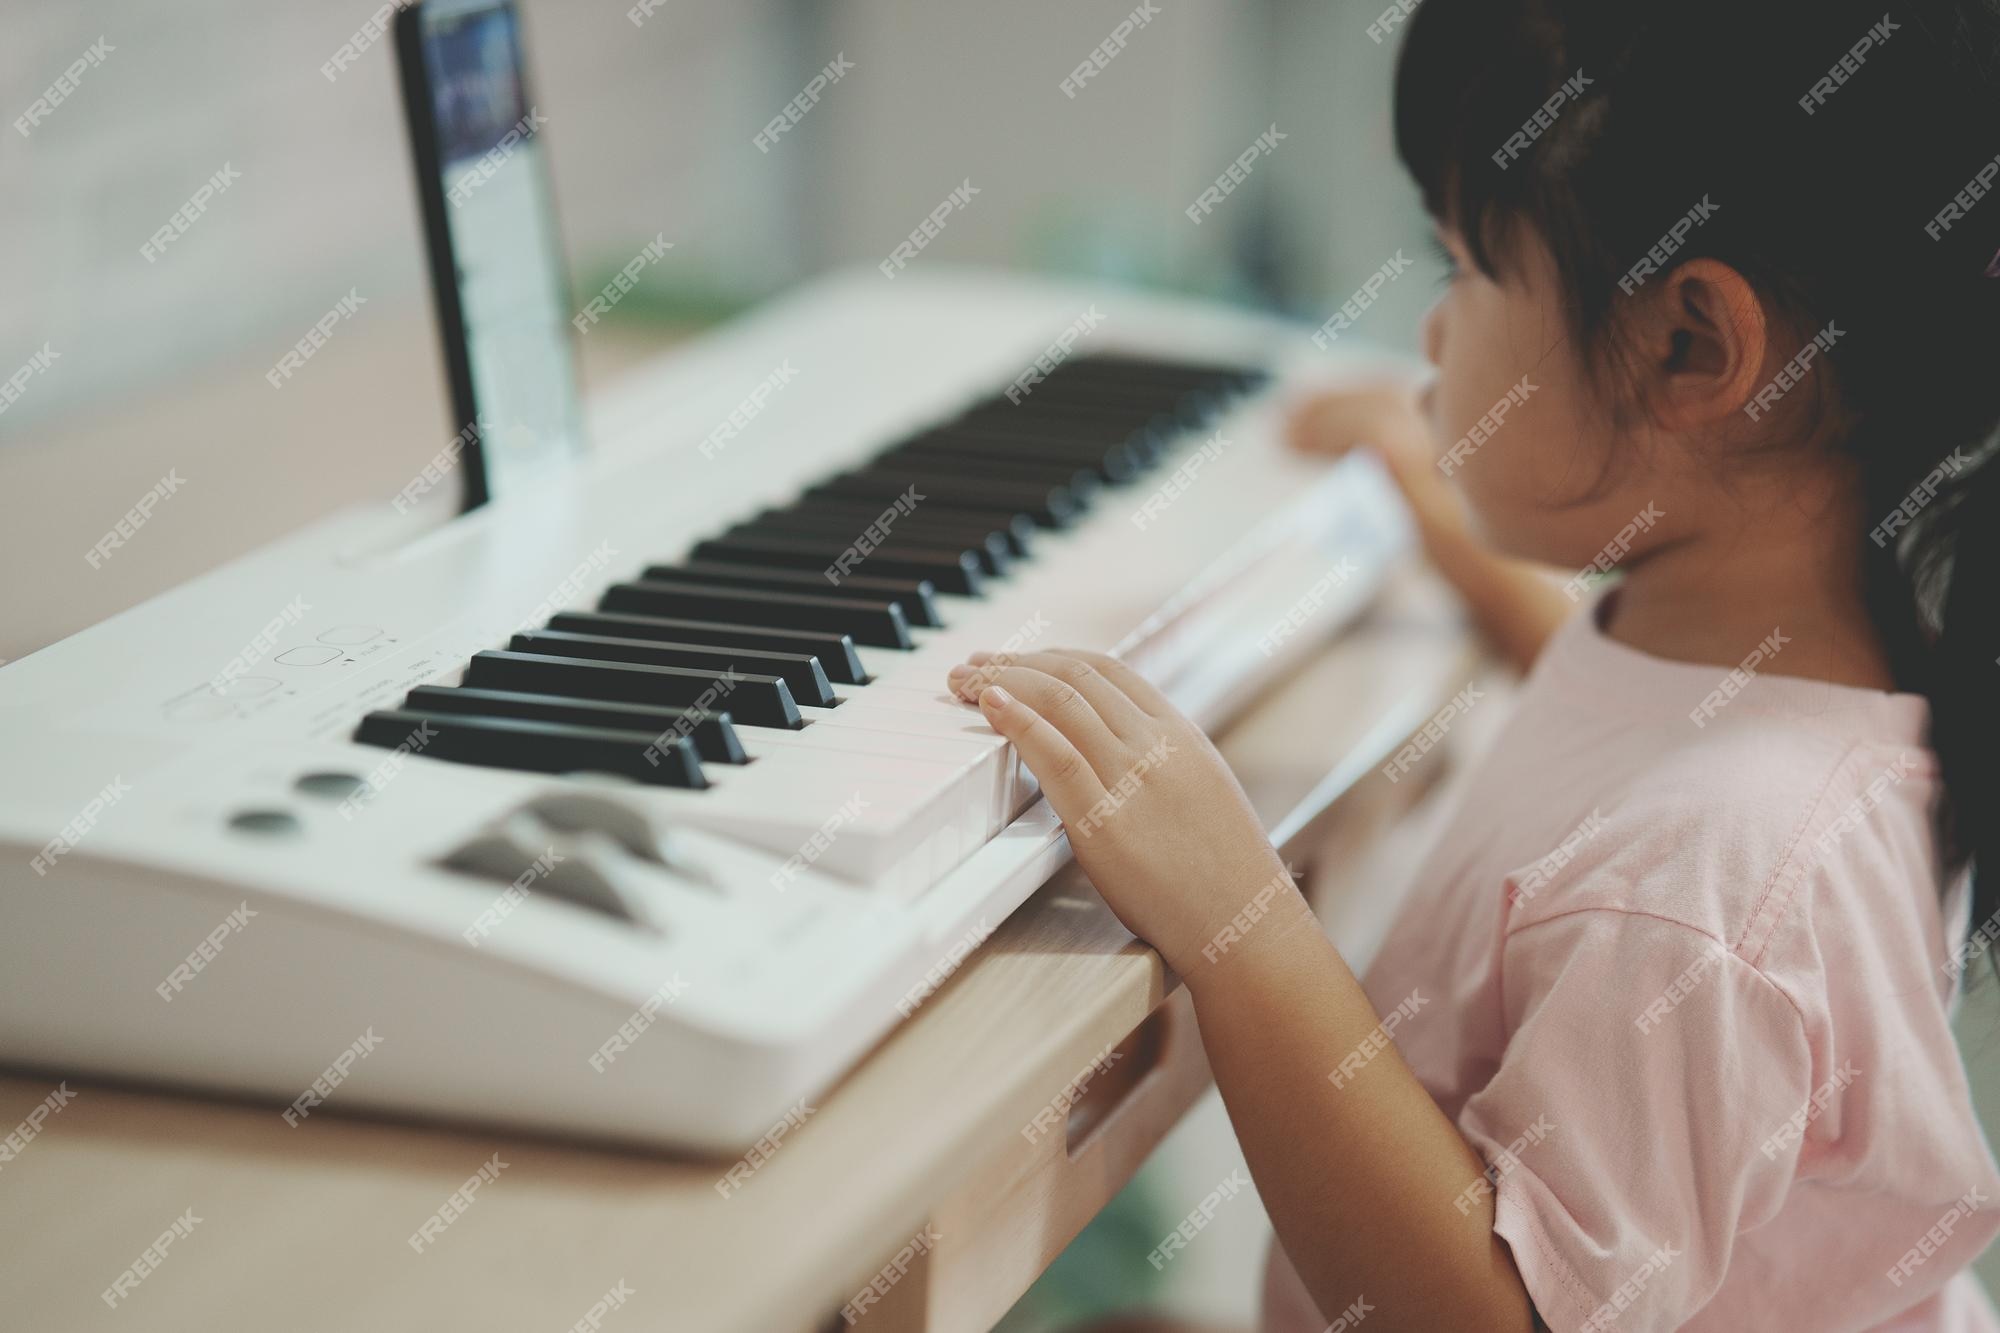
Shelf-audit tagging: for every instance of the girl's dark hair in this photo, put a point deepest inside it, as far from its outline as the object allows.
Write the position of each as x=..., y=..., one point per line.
x=1836, y=155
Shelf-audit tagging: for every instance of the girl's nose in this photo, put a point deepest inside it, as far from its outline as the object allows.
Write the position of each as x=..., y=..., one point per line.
x=1433, y=333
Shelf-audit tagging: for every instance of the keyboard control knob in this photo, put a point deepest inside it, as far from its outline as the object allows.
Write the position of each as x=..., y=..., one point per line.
x=586, y=812
x=522, y=850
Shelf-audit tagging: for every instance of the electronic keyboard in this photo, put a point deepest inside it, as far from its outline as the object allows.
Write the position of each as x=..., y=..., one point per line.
x=634, y=807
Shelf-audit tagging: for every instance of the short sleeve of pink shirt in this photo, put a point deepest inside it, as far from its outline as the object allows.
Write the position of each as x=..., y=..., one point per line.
x=1643, y=1185
x=1697, y=985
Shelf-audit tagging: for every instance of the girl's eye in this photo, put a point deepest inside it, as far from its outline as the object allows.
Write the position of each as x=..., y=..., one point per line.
x=1446, y=258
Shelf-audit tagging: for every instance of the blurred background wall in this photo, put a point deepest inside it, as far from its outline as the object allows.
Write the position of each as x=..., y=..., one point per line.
x=159, y=365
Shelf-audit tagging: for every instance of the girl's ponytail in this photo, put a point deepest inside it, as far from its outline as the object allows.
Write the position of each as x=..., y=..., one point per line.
x=1964, y=676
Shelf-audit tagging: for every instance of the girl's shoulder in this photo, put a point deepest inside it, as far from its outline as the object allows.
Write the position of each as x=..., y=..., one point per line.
x=1731, y=800
x=1774, y=836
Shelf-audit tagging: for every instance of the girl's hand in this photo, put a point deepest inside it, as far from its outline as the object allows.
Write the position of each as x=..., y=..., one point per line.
x=1387, y=420
x=1516, y=604
x=1154, y=815
x=1384, y=415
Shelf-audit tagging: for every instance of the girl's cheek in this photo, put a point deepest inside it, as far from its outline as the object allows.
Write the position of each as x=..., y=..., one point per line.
x=1433, y=331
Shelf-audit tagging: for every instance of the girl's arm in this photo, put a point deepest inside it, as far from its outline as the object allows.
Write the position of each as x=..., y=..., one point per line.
x=1359, y=1168
x=1517, y=604
x=1363, y=1181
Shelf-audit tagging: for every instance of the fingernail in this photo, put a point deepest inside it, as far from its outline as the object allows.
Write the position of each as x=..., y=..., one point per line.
x=958, y=673
x=980, y=658
x=995, y=698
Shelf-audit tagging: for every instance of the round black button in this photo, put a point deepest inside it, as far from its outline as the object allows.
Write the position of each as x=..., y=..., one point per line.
x=330, y=786
x=265, y=823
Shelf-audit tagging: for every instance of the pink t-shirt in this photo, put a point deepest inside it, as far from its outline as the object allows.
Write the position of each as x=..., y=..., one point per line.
x=1685, y=983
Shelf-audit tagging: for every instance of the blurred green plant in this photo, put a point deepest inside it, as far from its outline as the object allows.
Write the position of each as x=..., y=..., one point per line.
x=1102, y=1271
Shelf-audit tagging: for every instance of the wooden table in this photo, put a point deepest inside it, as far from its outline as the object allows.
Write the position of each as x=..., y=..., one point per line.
x=929, y=1137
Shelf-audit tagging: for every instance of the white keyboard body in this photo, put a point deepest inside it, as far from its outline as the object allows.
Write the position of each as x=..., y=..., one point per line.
x=354, y=931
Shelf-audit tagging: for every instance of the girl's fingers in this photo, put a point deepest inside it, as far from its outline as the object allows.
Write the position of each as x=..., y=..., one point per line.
x=1065, y=708
x=1067, y=778
x=1312, y=428
x=983, y=668
x=1136, y=687
x=1127, y=720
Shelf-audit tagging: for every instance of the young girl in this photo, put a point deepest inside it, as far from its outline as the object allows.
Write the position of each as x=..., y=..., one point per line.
x=1670, y=1044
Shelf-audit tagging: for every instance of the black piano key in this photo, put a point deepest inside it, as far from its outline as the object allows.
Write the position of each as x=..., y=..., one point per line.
x=1131, y=405
x=1059, y=426
x=1139, y=364
x=714, y=734
x=1108, y=405
x=1111, y=445
x=762, y=701
x=868, y=621
x=951, y=571
x=917, y=597
x=1019, y=529
x=800, y=671
x=1142, y=392
x=835, y=651
x=984, y=489
x=1115, y=463
x=1050, y=506
x=1084, y=382
x=538, y=747
x=979, y=469
x=1119, y=368
x=1137, y=394
x=1084, y=419
x=990, y=549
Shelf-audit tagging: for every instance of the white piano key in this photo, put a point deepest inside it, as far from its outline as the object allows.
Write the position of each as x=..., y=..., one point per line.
x=887, y=823
x=991, y=760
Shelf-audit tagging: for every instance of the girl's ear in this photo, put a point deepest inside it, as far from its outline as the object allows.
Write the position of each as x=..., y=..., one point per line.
x=1705, y=340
